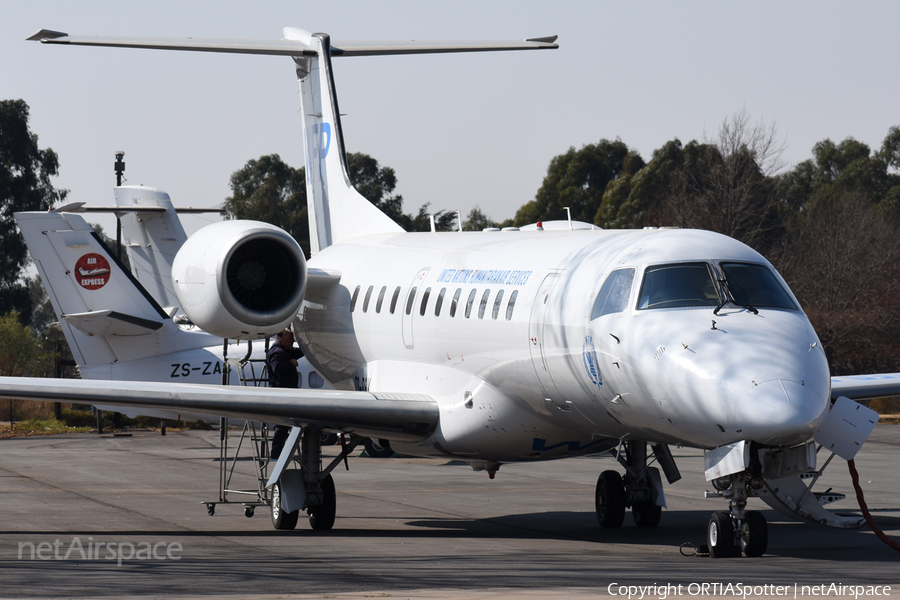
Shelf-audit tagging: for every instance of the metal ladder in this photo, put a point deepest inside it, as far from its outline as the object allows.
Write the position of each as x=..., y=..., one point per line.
x=254, y=440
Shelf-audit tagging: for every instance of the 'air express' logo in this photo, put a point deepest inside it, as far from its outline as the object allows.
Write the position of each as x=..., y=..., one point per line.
x=92, y=271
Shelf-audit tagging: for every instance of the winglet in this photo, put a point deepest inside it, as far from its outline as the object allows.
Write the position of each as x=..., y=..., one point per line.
x=46, y=34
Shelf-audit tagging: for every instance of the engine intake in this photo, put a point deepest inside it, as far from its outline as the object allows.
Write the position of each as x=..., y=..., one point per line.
x=240, y=279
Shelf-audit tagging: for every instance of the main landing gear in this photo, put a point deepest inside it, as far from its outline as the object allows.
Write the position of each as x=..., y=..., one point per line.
x=640, y=488
x=310, y=487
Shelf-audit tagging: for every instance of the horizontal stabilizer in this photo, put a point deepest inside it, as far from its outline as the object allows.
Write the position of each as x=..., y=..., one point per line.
x=79, y=207
x=293, y=47
x=110, y=322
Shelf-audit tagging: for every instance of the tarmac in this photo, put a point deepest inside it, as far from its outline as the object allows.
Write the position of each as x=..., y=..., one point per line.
x=91, y=516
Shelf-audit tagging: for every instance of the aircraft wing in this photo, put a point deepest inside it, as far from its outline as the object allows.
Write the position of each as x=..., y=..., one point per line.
x=863, y=387
x=402, y=417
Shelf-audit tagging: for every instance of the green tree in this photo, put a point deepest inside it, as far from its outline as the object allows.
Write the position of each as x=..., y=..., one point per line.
x=377, y=183
x=22, y=353
x=723, y=185
x=847, y=167
x=268, y=189
x=25, y=172
x=476, y=220
x=578, y=179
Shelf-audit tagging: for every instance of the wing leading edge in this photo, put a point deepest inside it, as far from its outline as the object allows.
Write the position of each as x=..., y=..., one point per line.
x=402, y=417
x=864, y=387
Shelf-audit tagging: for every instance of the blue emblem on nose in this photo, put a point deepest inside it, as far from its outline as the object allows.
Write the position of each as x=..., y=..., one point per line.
x=591, y=365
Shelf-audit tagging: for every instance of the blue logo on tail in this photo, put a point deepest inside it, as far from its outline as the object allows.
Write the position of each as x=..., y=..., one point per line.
x=321, y=130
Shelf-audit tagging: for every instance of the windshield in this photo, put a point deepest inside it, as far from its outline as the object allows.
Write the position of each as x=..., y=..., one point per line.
x=755, y=285
x=677, y=286
x=613, y=296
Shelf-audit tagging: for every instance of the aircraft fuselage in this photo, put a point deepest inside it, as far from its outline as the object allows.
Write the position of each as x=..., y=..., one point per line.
x=431, y=314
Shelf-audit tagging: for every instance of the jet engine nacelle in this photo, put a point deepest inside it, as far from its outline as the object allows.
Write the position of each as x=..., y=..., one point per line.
x=240, y=279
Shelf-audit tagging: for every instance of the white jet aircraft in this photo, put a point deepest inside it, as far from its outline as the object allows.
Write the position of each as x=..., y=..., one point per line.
x=496, y=346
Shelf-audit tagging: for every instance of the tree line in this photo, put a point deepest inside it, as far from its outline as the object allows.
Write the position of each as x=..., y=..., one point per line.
x=828, y=223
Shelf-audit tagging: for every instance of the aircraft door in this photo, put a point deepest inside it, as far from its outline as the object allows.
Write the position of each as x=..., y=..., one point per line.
x=538, y=342
x=409, y=306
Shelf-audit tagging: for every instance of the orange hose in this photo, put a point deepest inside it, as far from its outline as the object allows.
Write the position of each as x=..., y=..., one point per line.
x=865, y=509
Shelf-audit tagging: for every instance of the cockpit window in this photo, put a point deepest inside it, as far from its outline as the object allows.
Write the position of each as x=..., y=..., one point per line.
x=613, y=296
x=756, y=286
x=677, y=286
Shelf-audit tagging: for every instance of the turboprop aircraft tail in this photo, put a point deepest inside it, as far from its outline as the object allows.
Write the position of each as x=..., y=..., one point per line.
x=101, y=307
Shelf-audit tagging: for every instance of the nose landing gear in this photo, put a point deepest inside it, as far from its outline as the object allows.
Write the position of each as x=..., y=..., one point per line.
x=737, y=530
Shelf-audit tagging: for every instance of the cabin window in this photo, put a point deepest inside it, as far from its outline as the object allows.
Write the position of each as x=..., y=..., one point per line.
x=424, y=301
x=613, y=296
x=394, y=299
x=470, y=302
x=439, y=302
x=756, y=286
x=677, y=286
x=315, y=380
x=496, y=312
x=353, y=299
x=483, y=305
x=368, y=297
x=512, y=305
x=410, y=299
x=454, y=302
x=380, y=300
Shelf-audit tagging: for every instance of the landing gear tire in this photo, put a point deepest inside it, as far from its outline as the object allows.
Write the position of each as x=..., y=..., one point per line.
x=280, y=518
x=754, y=534
x=378, y=448
x=321, y=518
x=329, y=439
x=720, y=536
x=248, y=512
x=646, y=514
x=609, y=500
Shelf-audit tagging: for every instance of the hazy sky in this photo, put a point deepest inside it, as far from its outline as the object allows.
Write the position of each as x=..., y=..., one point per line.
x=459, y=130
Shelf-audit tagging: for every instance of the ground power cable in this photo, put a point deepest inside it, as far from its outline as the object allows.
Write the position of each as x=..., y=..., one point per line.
x=865, y=509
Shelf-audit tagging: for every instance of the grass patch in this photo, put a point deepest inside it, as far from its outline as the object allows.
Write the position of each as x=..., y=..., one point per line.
x=38, y=427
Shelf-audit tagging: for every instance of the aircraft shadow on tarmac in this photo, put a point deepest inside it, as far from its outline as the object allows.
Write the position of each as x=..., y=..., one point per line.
x=786, y=538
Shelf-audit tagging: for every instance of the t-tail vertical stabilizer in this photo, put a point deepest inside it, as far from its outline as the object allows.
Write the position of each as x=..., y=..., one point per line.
x=337, y=211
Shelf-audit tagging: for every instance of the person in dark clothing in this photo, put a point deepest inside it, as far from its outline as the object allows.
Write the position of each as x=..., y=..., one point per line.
x=281, y=364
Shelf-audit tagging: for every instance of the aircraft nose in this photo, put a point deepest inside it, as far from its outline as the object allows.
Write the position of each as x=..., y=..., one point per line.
x=781, y=411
